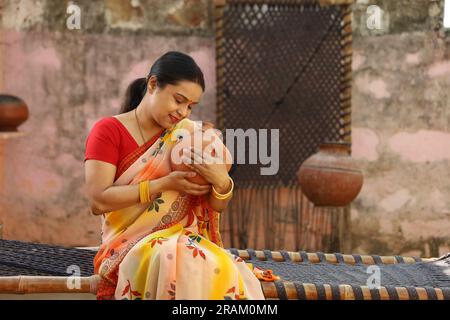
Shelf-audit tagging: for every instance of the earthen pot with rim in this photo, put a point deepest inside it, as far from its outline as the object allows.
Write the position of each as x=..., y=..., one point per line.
x=13, y=112
x=330, y=177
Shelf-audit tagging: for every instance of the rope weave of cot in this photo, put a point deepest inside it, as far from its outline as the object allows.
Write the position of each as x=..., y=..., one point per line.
x=303, y=275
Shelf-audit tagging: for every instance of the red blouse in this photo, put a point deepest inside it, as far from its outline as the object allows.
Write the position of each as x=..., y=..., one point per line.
x=109, y=141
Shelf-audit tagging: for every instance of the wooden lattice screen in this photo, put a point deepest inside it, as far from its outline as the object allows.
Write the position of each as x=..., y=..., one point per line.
x=284, y=65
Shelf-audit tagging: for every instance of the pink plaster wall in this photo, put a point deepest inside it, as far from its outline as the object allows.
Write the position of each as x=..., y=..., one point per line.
x=69, y=81
x=401, y=139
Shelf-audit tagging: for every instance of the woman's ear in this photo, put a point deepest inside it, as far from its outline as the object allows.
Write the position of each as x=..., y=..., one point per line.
x=151, y=84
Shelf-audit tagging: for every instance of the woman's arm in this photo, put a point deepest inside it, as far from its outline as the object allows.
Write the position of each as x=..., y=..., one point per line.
x=215, y=172
x=103, y=196
x=216, y=204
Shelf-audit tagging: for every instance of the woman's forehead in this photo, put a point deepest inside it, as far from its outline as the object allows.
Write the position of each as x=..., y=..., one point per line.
x=188, y=89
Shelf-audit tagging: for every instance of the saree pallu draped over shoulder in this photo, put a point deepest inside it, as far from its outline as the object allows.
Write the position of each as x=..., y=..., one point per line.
x=169, y=248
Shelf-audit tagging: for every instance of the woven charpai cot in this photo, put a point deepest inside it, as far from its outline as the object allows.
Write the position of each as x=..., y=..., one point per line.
x=32, y=268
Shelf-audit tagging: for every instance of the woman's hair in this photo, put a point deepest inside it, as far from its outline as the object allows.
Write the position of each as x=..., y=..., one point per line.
x=170, y=68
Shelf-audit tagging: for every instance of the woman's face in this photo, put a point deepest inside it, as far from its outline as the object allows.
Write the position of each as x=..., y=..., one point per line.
x=173, y=103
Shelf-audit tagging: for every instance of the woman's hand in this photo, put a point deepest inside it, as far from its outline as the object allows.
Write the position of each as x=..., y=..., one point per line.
x=213, y=172
x=177, y=180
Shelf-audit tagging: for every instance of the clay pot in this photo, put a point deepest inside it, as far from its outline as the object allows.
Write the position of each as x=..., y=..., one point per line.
x=13, y=112
x=330, y=177
x=208, y=147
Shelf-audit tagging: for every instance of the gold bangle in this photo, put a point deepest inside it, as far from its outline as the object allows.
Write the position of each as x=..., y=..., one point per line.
x=147, y=191
x=221, y=196
x=141, y=192
x=144, y=191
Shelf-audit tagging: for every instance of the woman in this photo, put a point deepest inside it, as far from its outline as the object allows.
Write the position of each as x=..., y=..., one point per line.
x=160, y=237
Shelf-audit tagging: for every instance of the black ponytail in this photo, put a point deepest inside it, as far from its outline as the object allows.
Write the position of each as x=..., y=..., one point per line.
x=170, y=68
x=134, y=94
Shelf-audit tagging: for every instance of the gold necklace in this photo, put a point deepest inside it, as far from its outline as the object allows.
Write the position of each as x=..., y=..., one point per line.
x=139, y=126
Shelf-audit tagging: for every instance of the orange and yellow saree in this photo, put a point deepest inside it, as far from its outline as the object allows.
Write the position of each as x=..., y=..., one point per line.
x=169, y=248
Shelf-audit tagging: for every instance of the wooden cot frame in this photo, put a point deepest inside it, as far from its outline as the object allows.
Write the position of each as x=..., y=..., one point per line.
x=57, y=284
